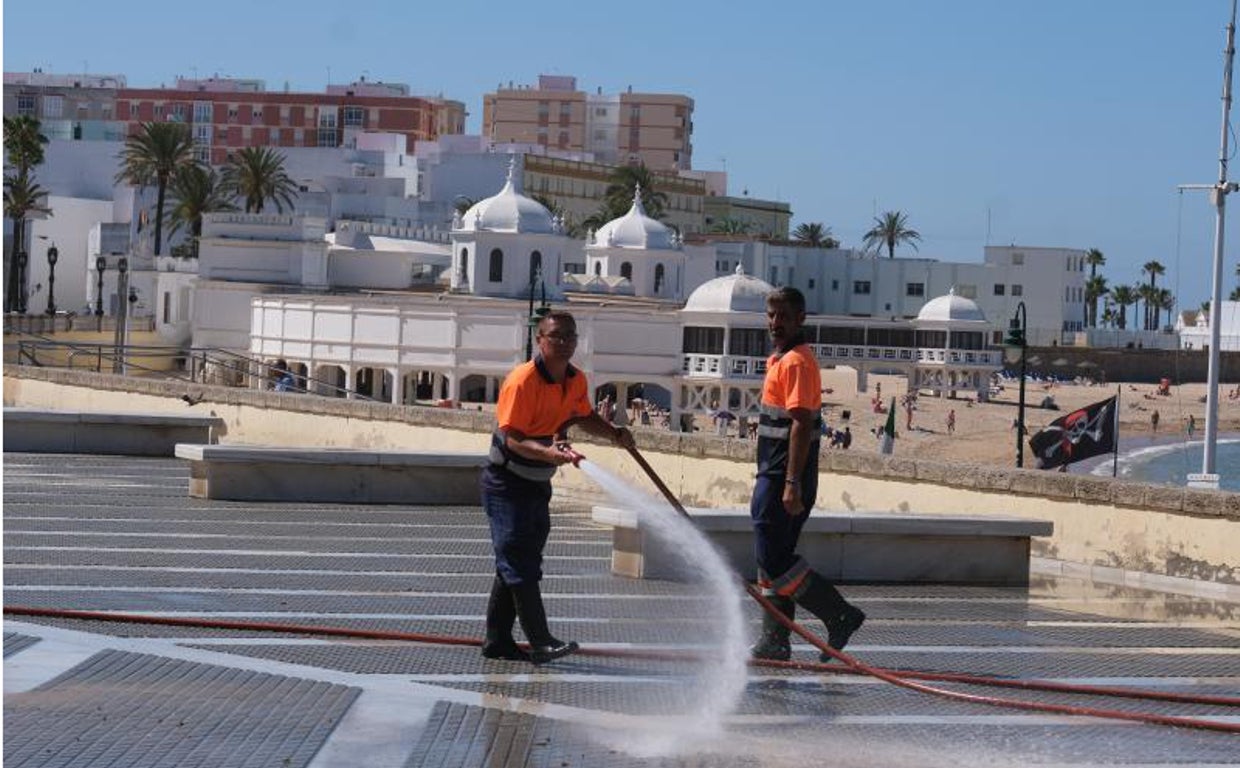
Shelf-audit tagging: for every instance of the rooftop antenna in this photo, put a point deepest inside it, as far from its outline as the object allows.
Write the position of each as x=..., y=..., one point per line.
x=1218, y=195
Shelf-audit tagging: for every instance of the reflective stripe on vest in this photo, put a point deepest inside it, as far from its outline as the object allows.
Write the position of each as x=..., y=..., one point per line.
x=528, y=469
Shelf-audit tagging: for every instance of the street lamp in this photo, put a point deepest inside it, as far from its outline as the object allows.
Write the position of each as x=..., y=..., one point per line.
x=535, y=315
x=52, y=255
x=1015, y=348
x=101, y=264
x=122, y=313
x=22, y=260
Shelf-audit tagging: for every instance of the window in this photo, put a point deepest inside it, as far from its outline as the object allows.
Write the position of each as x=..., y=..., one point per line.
x=202, y=134
x=327, y=137
x=703, y=341
x=861, y=287
x=811, y=283
x=232, y=114
x=299, y=136
x=774, y=276
x=999, y=290
x=133, y=110
x=1018, y=259
x=202, y=154
x=598, y=268
x=658, y=278
x=967, y=291
x=176, y=113
x=25, y=104
x=202, y=111
x=53, y=106
x=167, y=307
x=496, y=271
x=354, y=117
x=915, y=289
x=566, y=109
x=749, y=342
x=544, y=109
x=535, y=266
x=626, y=270
x=1018, y=289
x=256, y=116
x=462, y=267
x=835, y=285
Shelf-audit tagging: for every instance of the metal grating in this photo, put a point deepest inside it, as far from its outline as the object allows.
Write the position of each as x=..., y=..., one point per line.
x=136, y=710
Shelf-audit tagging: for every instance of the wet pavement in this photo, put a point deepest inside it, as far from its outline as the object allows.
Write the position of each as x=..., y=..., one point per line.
x=120, y=534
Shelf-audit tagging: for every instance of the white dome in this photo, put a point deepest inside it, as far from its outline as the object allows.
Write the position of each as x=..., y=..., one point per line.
x=951, y=308
x=508, y=211
x=738, y=292
x=634, y=230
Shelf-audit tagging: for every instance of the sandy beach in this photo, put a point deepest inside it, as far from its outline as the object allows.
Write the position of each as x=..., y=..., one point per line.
x=984, y=431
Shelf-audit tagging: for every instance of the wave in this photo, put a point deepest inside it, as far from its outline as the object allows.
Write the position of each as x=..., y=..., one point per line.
x=1138, y=464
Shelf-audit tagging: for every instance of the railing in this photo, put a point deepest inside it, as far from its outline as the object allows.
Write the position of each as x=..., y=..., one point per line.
x=62, y=322
x=201, y=365
x=736, y=366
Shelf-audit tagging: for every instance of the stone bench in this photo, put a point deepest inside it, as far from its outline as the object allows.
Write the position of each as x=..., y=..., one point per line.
x=870, y=547
x=38, y=430
x=336, y=475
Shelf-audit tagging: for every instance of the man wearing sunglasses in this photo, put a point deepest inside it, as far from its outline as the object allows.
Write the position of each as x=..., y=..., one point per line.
x=538, y=402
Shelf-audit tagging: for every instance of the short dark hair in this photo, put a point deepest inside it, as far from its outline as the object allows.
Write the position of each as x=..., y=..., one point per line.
x=789, y=296
x=557, y=316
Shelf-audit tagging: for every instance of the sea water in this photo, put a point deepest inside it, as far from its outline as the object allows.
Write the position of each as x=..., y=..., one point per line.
x=721, y=680
x=1171, y=463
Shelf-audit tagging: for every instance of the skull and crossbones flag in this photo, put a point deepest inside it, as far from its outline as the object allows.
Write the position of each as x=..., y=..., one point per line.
x=1086, y=432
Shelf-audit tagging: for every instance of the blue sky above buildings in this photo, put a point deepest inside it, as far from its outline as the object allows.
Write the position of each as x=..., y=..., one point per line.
x=1056, y=123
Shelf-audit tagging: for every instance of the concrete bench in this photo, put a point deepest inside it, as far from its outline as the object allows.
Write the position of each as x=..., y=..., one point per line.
x=38, y=430
x=338, y=475
x=870, y=547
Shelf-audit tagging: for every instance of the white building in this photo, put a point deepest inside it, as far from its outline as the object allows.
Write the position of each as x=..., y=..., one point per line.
x=1197, y=335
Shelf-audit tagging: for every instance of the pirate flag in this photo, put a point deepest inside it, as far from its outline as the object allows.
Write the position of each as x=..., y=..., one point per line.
x=1086, y=432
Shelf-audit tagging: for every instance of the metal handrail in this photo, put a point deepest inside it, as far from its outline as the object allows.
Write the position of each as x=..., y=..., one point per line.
x=199, y=359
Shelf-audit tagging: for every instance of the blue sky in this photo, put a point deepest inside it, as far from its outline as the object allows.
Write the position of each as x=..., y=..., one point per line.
x=1056, y=123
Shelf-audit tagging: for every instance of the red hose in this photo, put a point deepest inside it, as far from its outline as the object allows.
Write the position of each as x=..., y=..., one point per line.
x=905, y=682
x=900, y=678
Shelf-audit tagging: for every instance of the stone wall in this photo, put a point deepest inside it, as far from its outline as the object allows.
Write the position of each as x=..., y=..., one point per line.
x=1185, y=366
x=1169, y=531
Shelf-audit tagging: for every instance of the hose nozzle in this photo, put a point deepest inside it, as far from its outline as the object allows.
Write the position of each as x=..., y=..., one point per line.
x=573, y=455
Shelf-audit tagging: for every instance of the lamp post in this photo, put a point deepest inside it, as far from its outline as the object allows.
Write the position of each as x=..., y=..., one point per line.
x=101, y=264
x=22, y=260
x=1014, y=350
x=122, y=312
x=535, y=315
x=53, y=254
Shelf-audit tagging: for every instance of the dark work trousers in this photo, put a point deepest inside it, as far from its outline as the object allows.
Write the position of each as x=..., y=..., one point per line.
x=775, y=531
x=520, y=518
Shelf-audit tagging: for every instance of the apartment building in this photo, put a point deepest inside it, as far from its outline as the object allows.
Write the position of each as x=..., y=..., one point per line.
x=225, y=114
x=626, y=128
x=73, y=107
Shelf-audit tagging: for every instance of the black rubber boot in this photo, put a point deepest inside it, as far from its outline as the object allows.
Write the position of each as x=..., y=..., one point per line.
x=501, y=614
x=773, y=644
x=543, y=646
x=817, y=596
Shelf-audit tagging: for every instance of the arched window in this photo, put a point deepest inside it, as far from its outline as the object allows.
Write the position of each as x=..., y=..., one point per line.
x=626, y=270
x=535, y=265
x=658, y=277
x=497, y=266
x=598, y=268
x=462, y=267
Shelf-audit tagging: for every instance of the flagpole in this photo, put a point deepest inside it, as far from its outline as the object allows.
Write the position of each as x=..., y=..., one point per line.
x=1119, y=390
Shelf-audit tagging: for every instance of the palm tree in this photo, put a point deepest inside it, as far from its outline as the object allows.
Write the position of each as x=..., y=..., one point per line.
x=23, y=151
x=23, y=144
x=22, y=197
x=622, y=187
x=195, y=191
x=1153, y=269
x=815, y=234
x=1095, y=288
x=154, y=154
x=730, y=226
x=1166, y=302
x=890, y=230
x=1149, y=296
x=257, y=175
x=1095, y=259
x=1123, y=296
x=463, y=203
